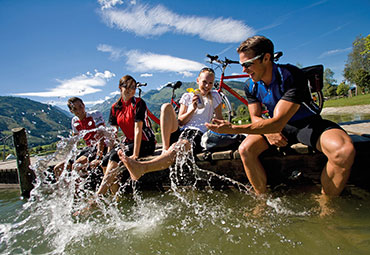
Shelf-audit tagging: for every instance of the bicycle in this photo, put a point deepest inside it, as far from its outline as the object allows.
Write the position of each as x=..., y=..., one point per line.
x=314, y=75
x=175, y=104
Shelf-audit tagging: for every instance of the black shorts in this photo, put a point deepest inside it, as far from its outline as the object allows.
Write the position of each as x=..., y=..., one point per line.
x=89, y=152
x=308, y=130
x=192, y=135
x=146, y=148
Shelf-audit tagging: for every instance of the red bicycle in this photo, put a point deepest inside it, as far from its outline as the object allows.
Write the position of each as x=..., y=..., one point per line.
x=314, y=75
x=175, y=104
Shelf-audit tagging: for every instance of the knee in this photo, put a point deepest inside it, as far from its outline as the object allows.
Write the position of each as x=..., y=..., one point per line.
x=166, y=108
x=344, y=155
x=247, y=149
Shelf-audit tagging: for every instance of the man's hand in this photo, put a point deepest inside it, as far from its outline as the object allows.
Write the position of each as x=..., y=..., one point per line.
x=221, y=126
x=277, y=139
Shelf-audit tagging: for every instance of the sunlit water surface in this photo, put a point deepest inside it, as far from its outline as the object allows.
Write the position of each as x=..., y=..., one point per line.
x=181, y=220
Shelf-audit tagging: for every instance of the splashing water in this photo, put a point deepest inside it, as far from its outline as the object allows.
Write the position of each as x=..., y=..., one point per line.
x=185, y=219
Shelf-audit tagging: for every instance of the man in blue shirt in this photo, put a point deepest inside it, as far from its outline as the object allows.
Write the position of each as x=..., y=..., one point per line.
x=294, y=118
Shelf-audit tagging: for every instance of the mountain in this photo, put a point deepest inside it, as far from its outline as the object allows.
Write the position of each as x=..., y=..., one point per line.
x=155, y=98
x=43, y=122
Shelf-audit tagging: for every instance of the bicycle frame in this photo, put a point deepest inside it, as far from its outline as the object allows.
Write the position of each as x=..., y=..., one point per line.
x=174, y=86
x=223, y=85
x=154, y=118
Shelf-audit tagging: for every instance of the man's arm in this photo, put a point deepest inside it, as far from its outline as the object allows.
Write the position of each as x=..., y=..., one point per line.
x=283, y=112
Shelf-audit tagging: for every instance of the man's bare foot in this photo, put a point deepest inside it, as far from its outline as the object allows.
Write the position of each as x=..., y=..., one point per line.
x=134, y=168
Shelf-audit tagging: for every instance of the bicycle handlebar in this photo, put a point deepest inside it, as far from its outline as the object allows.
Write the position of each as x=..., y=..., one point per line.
x=140, y=84
x=222, y=62
x=173, y=85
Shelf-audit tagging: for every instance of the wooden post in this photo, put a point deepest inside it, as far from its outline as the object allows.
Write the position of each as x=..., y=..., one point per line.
x=25, y=175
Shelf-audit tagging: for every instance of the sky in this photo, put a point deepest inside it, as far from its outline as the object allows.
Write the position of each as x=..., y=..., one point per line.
x=51, y=50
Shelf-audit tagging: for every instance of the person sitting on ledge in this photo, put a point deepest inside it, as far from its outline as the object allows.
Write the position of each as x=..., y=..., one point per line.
x=84, y=121
x=130, y=114
x=294, y=118
x=186, y=130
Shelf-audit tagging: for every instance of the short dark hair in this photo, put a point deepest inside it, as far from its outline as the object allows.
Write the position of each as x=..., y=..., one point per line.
x=258, y=45
x=73, y=100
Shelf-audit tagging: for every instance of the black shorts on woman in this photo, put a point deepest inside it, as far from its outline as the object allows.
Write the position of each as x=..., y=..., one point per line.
x=147, y=148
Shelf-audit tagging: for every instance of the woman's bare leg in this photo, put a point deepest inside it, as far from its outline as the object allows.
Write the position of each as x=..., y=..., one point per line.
x=166, y=159
x=169, y=124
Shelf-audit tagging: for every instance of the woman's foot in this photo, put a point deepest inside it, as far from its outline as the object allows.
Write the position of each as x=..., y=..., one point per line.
x=134, y=168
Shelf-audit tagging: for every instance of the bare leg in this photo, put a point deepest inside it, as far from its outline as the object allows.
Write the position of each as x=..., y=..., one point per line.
x=110, y=179
x=339, y=149
x=81, y=164
x=249, y=150
x=169, y=124
x=166, y=159
x=58, y=169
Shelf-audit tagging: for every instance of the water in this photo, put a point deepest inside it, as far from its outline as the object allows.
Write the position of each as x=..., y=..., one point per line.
x=210, y=222
x=182, y=220
x=341, y=118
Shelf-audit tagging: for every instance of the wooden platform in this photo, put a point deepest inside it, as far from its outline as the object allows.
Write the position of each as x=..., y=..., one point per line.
x=296, y=165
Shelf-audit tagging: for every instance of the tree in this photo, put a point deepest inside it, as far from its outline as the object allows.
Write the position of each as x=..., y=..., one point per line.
x=362, y=79
x=242, y=110
x=342, y=89
x=367, y=45
x=358, y=59
x=329, y=83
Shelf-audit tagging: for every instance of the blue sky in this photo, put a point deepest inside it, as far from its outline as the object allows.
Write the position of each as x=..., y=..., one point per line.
x=51, y=50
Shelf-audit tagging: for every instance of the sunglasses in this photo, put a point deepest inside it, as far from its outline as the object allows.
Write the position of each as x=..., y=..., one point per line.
x=128, y=86
x=250, y=62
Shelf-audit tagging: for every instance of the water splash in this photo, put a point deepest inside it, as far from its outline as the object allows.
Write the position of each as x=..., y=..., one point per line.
x=182, y=220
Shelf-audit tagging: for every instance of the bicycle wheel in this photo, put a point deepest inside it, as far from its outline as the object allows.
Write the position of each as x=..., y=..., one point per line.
x=318, y=99
x=227, y=111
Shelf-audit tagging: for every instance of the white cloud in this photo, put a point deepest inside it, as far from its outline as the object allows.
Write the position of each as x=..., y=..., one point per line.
x=152, y=21
x=143, y=62
x=334, y=52
x=115, y=53
x=107, y=4
x=187, y=74
x=77, y=86
x=146, y=75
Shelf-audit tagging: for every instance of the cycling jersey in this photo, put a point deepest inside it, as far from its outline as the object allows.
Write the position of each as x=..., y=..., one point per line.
x=125, y=114
x=288, y=83
x=91, y=121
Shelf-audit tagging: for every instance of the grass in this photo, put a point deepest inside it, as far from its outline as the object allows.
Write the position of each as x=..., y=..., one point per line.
x=348, y=101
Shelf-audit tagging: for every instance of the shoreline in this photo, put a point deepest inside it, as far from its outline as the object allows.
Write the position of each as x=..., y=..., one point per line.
x=363, y=109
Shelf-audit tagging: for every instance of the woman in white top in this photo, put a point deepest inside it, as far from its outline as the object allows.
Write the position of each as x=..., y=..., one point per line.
x=183, y=130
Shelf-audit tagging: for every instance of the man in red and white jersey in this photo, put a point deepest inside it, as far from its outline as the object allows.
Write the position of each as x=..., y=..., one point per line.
x=83, y=122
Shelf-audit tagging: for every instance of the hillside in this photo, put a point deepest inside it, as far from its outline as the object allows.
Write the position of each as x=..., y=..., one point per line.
x=43, y=122
x=155, y=98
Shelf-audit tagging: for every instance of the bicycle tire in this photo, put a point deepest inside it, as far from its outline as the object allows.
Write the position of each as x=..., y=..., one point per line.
x=318, y=99
x=227, y=111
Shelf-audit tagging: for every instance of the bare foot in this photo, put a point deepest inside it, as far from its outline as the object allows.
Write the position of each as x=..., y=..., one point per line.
x=134, y=168
x=86, y=210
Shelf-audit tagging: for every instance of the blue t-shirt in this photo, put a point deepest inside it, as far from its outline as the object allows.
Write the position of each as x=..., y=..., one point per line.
x=288, y=83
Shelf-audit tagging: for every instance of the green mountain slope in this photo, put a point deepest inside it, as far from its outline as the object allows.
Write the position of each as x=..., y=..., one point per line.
x=43, y=122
